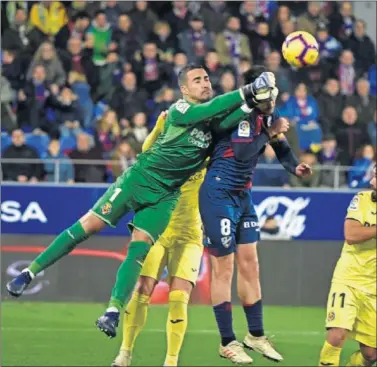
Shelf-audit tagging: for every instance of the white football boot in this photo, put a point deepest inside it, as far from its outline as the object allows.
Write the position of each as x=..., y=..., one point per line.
x=263, y=346
x=123, y=359
x=235, y=353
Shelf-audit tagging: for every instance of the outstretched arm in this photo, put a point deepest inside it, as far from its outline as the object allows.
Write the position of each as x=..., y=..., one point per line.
x=285, y=154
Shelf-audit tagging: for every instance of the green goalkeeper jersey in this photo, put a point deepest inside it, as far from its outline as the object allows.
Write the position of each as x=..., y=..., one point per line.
x=186, y=141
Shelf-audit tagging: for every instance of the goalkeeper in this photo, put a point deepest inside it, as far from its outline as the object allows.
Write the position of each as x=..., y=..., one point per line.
x=180, y=248
x=150, y=188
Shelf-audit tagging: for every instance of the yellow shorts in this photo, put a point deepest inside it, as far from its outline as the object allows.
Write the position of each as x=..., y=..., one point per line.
x=181, y=257
x=353, y=310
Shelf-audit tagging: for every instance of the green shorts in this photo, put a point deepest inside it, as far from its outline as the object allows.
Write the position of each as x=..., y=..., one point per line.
x=153, y=204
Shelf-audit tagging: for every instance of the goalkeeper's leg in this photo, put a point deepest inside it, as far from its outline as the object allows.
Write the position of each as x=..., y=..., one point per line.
x=366, y=356
x=61, y=246
x=249, y=292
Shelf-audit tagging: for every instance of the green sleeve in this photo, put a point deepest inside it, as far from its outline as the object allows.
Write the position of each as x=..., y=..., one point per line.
x=183, y=113
x=228, y=121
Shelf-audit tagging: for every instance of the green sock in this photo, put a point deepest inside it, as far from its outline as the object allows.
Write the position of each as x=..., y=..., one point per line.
x=128, y=273
x=61, y=246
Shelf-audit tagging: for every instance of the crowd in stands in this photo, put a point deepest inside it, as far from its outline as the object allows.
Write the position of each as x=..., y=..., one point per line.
x=87, y=80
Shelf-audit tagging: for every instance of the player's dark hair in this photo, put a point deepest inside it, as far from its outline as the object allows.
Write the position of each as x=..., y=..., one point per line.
x=249, y=76
x=182, y=75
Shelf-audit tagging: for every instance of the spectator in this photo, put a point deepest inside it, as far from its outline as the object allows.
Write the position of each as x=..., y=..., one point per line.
x=273, y=176
x=144, y=19
x=178, y=17
x=214, y=68
x=227, y=83
x=372, y=129
x=215, y=15
x=329, y=47
x=362, y=46
x=7, y=96
x=309, y=181
x=46, y=55
x=347, y=73
x=99, y=37
x=108, y=132
x=283, y=80
x=163, y=102
x=151, y=71
x=12, y=69
x=249, y=17
x=17, y=36
x=112, y=11
x=361, y=172
x=166, y=42
x=372, y=77
x=123, y=158
x=126, y=38
x=350, y=136
x=127, y=98
x=35, y=100
x=363, y=102
x=195, y=41
x=69, y=110
x=48, y=17
x=62, y=172
x=231, y=44
x=283, y=15
x=286, y=28
x=328, y=156
x=302, y=110
x=261, y=43
x=11, y=9
x=21, y=172
x=341, y=24
x=309, y=21
x=87, y=172
x=140, y=129
x=180, y=61
x=330, y=103
x=75, y=28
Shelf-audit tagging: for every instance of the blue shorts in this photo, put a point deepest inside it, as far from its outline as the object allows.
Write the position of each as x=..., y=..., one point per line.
x=229, y=218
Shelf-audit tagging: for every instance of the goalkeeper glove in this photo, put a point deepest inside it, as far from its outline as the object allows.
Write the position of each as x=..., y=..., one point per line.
x=260, y=90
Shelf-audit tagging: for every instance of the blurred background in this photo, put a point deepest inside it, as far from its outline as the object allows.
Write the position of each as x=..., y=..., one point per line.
x=82, y=84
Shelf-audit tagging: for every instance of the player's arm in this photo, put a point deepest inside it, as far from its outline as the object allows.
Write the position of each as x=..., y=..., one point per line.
x=156, y=132
x=231, y=120
x=284, y=153
x=259, y=91
x=354, y=230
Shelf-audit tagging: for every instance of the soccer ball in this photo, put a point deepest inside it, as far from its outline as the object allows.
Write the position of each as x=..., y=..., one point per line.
x=300, y=49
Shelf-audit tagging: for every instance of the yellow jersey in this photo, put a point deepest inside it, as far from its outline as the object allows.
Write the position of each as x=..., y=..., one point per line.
x=356, y=266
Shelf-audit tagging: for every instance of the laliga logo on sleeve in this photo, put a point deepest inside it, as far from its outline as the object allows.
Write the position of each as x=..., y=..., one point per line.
x=286, y=212
x=15, y=269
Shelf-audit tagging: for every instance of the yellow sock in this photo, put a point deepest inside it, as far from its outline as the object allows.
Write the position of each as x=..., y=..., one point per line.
x=134, y=319
x=358, y=360
x=176, y=325
x=330, y=356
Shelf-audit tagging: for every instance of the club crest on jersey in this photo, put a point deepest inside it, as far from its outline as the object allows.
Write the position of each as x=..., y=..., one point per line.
x=182, y=106
x=331, y=316
x=226, y=241
x=354, y=204
x=244, y=129
x=106, y=208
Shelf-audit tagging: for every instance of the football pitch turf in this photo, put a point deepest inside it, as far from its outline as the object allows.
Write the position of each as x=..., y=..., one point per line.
x=63, y=334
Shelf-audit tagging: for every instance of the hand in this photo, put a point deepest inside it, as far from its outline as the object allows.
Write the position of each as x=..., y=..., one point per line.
x=280, y=126
x=303, y=170
x=260, y=90
x=22, y=178
x=21, y=95
x=113, y=46
x=160, y=124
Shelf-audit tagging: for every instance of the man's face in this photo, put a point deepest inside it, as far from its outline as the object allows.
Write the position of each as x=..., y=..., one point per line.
x=20, y=17
x=346, y=9
x=322, y=35
x=273, y=60
x=74, y=46
x=197, y=25
x=124, y=23
x=150, y=51
x=360, y=29
x=82, y=24
x=234, y=24
x=141, y=5
x=197, y=86
x=314, y=8
x=83, y=142
x=212, y=58
x=267, y=108
x=347, y=58
x=54, y=147
x=349, y=116
x=101, y=20
x=333, y=87
x=263, y=29
x=362, y=88
x=288, y=27
x=129, y=81
x=18, y=138
x=39, y=74
x=180, y=59
x=228, y=82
